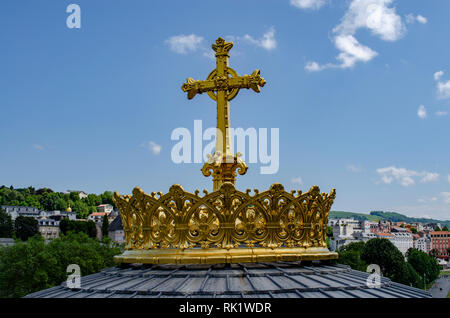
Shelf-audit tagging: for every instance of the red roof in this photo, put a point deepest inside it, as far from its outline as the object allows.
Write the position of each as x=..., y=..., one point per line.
x=440, y=232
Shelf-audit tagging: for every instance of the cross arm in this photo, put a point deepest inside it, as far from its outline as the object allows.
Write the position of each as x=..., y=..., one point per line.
x=253, y=81
x=193, y=87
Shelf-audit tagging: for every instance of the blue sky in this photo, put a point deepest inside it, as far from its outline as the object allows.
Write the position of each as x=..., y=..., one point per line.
x=360, y=92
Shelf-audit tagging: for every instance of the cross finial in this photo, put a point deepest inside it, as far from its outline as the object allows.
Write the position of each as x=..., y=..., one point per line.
x=222, y=47
x=222, y=85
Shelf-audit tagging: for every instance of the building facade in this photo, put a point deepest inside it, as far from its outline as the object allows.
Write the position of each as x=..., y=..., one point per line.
x=440, y=241
x=48, y=228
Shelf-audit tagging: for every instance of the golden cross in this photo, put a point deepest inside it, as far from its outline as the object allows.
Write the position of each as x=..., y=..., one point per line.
x=222, y=85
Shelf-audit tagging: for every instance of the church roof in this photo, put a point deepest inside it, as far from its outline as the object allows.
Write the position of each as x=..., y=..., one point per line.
x=116, y=224
x=277, y=279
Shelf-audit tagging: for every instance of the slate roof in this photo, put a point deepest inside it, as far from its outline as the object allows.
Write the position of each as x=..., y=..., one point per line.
x=278, y=279
x=116, y=224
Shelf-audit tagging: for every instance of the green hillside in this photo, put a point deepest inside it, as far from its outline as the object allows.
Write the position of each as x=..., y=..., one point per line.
x=357, y=216
x=381, y=215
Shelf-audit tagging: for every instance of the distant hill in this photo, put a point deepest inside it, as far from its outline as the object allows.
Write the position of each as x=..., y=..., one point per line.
x=381, y=215
x=357, y=216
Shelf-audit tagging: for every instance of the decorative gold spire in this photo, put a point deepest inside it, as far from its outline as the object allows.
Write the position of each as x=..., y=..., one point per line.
x=227, y=225
x=222, y=85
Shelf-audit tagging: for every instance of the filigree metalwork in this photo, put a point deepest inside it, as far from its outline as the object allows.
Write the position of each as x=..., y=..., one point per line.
x=221, y=223
x=226, y=225
x=222, y=85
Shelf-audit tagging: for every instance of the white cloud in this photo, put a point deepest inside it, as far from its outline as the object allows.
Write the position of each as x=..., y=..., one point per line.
x=411, y=18
x=448, y=178
x=441, y=113
x=182, y=44
x=314, y=67
x=405, y=177
x=352, y=51
x=429, y=177
x=422, y=112
x=353, y=168
x=421, y=19
x=297, y=180
x=152, y=146
x=446, y=196
x=437, y=76
x=374, y=15
x=267, y=41
x=38, y=147
x=444, y=89
x=308, y=4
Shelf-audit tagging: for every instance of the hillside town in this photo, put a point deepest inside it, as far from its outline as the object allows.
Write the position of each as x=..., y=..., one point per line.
x=49, y=221
x=428, y=237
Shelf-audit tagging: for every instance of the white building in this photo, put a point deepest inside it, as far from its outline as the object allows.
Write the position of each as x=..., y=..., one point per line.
x=16, y=211
x=105, y=208
x=345, y=231
x=403, y=241
x=97, y=217
x=422, y=244
x=81, y=194
x=346, y=228
x=48, y=228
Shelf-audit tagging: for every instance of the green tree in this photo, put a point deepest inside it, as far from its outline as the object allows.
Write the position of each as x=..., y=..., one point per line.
x=25, y=268
x=93, y=200
x=26, y=227
x=74, y=196
x=67, y=226
x=329, y=231
x=30, y=266
x=105, y=226
x=414, y=230
x=107, y=198
x=425, y=265
x=351, y=255
x=434, y=253
x=6, y=224
x=414, y=278
x=437, y=229
x=383, y=253
x=77, y=248
x=80, y=208
x=445, y=228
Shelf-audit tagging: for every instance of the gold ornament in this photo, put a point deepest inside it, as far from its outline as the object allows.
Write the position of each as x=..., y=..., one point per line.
x=226, y=225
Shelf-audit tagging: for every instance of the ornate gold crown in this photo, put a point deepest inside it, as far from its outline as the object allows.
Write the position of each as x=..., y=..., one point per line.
x=226, y=225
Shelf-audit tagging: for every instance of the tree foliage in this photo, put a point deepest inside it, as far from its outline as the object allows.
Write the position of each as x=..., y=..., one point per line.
x=66, y=226
x=351, y=255
x=6, y=224
x=48, y=200
x=30, y=266
x=105, y=226
x=425, y=265
x=26, y=227
x=391, y=261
